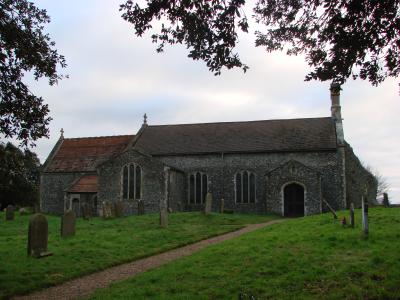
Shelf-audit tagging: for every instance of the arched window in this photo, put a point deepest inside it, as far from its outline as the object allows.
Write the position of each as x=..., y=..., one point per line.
x=131, y=182
x=198, y=187
x=245, y=187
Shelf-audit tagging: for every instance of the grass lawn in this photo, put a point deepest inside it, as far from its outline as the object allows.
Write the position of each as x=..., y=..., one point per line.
x=307, y=258
x=99, y=244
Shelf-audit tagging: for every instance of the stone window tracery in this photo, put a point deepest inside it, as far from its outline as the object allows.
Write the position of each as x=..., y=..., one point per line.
x=245, y=187
x=131, y=182
x=198, y=186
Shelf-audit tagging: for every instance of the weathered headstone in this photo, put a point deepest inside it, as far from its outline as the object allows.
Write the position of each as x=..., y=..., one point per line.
x=86, y=211
x=207, y=207
x=10, y=213
x=37, y=236
x=163, y=217
x=107, y=210
x=352, y=215
x=140, y=207
x=221, y=206
x=365, y=216
x=385, y=201
x=119, y=209
x=68, y=221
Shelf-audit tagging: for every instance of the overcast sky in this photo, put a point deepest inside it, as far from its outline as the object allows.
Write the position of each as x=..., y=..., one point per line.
x=116, y=77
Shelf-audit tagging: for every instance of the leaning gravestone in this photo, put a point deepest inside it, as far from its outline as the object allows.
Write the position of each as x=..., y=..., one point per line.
x=207, y=208
x=68, y=221
x=163, y=217
x=10, y=213
x=140, y=207
x=37, y=236
x=119, y=209
x=86, y=211
x=107, y=210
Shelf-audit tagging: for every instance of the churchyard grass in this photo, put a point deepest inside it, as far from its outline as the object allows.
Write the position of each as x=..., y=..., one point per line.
x=99, y=244
x=306, y=258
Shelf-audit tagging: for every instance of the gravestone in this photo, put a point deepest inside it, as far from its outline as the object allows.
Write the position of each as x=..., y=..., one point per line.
x=37, y=236
x=140, y=207
x=352, y=215
x=163, y=217
x=107, y=210
x=10, y=213
x=221, y=206
x=364, y=209
x=207, y=208
x=119, y=209
x=86, y=211
x=68, y=221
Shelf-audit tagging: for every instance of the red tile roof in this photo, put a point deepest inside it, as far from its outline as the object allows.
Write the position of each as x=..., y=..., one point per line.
x=85, y=154
x=85, y=184
x=239, y=137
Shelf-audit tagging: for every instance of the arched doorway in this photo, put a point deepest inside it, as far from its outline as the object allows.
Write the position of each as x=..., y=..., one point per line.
x=293, y=198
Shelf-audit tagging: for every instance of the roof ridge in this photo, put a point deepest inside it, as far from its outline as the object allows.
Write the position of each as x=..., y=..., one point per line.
x=101, y=136
x=241, y=122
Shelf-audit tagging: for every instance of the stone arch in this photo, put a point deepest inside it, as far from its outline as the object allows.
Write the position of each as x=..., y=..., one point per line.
x=293, y=199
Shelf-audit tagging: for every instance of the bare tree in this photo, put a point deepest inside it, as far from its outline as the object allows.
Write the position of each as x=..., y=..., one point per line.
x=382, y=184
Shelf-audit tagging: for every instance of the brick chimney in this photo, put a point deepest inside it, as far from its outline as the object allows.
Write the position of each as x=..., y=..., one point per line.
x=336, y=112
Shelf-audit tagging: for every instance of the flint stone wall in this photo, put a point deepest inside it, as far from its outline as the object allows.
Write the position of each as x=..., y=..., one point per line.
x=110, y=176
x=357, y=178
x=176, y=195
x=52, y=186
x=221, y=170
x=294, y=172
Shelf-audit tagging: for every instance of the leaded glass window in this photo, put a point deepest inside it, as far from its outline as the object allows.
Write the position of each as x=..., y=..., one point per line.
x=245, y=187
x=131, y=182
x=198, y=187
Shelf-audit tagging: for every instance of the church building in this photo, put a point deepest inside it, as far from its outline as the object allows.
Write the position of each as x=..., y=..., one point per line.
x=291, y=167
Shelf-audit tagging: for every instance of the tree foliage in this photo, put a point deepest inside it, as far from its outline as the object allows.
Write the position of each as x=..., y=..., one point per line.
x=207, y=28
x=24, y=47
x=19, y=176
x=340, y=39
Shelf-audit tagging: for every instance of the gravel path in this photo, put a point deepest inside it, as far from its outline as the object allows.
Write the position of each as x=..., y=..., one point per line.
x=84, y=286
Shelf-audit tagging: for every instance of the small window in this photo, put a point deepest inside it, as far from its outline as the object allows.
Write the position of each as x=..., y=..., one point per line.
x=245, y=187
x=131, y=182
x=198, y=187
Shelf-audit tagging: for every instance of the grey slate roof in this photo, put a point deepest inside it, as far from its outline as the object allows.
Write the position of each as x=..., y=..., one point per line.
x=239, y=137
